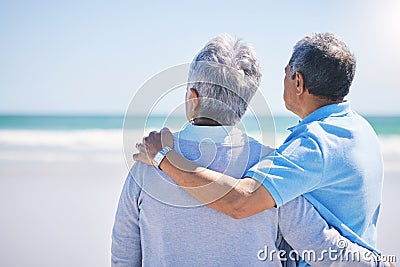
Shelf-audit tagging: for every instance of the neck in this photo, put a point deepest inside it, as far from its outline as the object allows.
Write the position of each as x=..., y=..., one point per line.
x=201, y=121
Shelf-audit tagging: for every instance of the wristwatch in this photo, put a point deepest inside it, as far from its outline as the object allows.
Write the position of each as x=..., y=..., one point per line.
x=160, y=156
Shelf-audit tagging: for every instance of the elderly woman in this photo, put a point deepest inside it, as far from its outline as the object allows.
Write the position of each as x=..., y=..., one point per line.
x=157, y=223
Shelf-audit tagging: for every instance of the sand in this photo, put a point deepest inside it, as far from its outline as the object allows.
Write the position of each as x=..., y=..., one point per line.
x=59, y=192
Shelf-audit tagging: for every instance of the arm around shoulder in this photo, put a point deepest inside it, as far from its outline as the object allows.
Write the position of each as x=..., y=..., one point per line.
x=237, y=198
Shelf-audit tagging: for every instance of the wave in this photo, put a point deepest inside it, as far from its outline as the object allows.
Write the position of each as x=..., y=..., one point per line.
x=107, y=145
x=80, y=139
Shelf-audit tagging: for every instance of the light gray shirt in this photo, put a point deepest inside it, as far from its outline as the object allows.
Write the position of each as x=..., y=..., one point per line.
x=158, y=224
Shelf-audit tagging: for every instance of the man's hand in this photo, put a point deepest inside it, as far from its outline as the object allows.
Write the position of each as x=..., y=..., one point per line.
x=152, y=144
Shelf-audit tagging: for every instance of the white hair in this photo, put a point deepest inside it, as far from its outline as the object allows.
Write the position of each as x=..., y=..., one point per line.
x=226, y=74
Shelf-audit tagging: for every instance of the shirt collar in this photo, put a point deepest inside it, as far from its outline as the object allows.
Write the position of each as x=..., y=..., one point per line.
x=332, y=110
x=217, y=134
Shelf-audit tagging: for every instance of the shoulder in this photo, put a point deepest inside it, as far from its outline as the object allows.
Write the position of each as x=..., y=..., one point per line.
x=137, y=175
x=305, y=138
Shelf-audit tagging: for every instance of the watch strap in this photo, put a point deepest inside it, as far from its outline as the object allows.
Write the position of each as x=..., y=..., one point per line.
x=160, y=156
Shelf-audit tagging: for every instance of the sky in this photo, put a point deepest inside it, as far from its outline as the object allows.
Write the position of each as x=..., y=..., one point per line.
x=90, y=57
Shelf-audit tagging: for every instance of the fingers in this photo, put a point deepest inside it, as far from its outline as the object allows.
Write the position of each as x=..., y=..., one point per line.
x=142, y=158
x=136, y=156
x=142, y=150
x=154, y=135
x=151, y=144
x=141, y=147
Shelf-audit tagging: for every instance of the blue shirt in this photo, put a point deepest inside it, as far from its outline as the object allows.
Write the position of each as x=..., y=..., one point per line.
x=333, y=159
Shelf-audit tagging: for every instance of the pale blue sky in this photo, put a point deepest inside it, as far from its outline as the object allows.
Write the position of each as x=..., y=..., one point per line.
x=91, y=56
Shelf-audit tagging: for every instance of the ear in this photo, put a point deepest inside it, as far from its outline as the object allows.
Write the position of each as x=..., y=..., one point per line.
x=300, y=84
x=193, y=96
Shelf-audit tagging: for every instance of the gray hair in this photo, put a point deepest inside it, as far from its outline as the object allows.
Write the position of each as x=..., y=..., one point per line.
x=326, y=63
x=226, y=74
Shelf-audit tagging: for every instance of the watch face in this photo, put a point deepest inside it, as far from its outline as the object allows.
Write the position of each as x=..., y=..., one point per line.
x=157, y=158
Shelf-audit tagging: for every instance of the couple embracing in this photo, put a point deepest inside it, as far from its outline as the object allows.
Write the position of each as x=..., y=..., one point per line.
x=231, y=201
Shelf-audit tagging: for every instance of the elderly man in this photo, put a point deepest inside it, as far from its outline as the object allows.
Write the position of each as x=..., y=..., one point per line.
x=332, y=157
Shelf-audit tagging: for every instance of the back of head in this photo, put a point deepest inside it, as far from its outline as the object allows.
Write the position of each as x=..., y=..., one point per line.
x=326, y=64
x=226, y=74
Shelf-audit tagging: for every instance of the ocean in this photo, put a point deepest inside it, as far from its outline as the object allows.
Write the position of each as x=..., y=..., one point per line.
x=61, y=176
x=383, y=125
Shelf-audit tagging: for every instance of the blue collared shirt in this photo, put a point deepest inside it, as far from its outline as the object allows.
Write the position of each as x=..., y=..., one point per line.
x=333, y=159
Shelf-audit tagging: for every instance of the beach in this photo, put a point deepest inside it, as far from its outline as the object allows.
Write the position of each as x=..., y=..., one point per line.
x=59, y=190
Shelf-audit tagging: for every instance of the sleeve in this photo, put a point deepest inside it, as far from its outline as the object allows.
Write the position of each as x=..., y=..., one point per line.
x=316, y=242
x=292, y=170
x=126, y=247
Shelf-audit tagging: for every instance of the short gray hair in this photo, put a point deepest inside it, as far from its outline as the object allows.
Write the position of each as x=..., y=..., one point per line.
x=326, y=63
x=226, y=74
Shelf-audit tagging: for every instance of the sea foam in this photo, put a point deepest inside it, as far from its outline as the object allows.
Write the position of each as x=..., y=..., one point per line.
x=106, y=145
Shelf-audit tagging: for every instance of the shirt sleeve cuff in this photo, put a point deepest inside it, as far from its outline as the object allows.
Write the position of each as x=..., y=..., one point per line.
x=268, y=185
